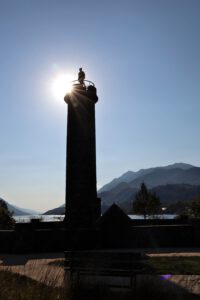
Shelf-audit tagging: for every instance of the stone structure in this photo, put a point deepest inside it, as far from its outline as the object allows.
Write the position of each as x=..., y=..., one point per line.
x=115, y=229
x=82, y=204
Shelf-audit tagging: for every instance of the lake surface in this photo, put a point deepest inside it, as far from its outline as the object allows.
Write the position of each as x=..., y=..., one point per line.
x=57, y=218
x=43, y=218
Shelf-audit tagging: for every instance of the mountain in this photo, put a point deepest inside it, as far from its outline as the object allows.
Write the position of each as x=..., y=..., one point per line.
x=168, y=176
x=18, y=211
x=182, y=166
x=122, y=195
x=171, y=183
x=130, y=176
x=172, y=193
x=56, y=211
x=169, y=194
x=126, y=177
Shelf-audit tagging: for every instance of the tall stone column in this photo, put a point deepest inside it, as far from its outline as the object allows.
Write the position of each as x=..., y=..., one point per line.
x=82, y=204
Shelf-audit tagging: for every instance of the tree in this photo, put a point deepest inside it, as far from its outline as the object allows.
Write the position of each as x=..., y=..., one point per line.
x=194, y=208
x=153, y=205
x=6, y=219
x=146, y=203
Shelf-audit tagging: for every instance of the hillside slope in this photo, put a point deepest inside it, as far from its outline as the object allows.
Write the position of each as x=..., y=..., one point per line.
x=130, y=176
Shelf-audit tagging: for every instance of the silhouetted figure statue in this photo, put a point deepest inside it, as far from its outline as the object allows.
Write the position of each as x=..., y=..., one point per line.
x=81, y=76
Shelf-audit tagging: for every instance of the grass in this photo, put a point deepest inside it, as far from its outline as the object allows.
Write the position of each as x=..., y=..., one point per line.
x=19, y=287
x=47, y=282
x=165, y=265
x=174, y=265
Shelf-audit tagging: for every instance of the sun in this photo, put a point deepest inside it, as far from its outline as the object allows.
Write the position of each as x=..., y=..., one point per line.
x=62, y=85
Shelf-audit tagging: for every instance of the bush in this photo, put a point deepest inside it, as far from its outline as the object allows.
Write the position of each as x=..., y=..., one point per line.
x=6, y=219
x=194, y=208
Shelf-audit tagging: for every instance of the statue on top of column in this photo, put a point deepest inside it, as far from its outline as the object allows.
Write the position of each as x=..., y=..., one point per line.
x=81, y=76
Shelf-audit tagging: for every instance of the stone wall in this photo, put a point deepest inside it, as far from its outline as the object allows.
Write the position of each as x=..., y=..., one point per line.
x=51, y=237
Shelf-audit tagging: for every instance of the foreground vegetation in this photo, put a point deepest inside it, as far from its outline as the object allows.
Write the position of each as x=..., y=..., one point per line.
x=18, y=287
x=6, y=218
x=174, y=265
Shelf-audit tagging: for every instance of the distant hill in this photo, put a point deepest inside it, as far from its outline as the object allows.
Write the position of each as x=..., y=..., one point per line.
x=168, y=194
x=17, y=211
x=56, y=211
x=130, y=176
x=124, y=196
x=172, y=183
x=168, y=176
x=172, y=193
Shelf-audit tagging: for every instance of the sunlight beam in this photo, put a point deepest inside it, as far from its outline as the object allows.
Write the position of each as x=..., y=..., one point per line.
x=62, y=85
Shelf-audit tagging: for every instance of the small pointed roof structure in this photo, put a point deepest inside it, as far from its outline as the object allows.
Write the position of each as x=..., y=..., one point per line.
x=115, y=228
x=114, y=217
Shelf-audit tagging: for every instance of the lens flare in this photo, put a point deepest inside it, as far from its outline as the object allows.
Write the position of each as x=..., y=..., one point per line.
x=165, y=276
x=62, y=85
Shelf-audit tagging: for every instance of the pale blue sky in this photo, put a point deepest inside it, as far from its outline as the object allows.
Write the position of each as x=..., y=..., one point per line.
x=143, y=56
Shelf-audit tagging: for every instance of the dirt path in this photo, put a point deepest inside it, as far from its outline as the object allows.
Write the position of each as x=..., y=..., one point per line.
x=171, y=252
x=38, y=267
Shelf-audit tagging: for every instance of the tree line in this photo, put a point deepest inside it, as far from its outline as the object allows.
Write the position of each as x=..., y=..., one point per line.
x=6, y=217
x=147, y=204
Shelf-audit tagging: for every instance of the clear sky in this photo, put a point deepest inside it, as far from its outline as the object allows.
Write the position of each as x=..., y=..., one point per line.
x=144, y=57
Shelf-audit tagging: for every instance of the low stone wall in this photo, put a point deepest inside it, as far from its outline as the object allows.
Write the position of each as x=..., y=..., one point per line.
x=7, y=240
x=158, y=236
x=39, y=240
x=142, y=222
x=29, y=238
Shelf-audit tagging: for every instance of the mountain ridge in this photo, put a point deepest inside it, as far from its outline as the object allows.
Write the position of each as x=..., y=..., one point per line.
x=18, y=211
x=171, y=182
x=175, y=181
x=169, y=194
x=131, y=175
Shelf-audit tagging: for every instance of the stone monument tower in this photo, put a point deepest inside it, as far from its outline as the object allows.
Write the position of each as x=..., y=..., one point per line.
x=82, y=204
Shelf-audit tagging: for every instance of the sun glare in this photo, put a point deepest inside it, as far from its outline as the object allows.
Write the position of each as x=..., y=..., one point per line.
x=62, y=85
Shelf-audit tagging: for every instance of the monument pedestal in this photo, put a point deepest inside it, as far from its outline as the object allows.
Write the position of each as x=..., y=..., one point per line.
x=82, y=239
x=82, y=203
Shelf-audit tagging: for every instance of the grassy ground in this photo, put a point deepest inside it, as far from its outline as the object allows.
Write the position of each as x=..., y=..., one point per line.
x=178, y=265
x=43, y=280
x=18, y=287
x=174, y=265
